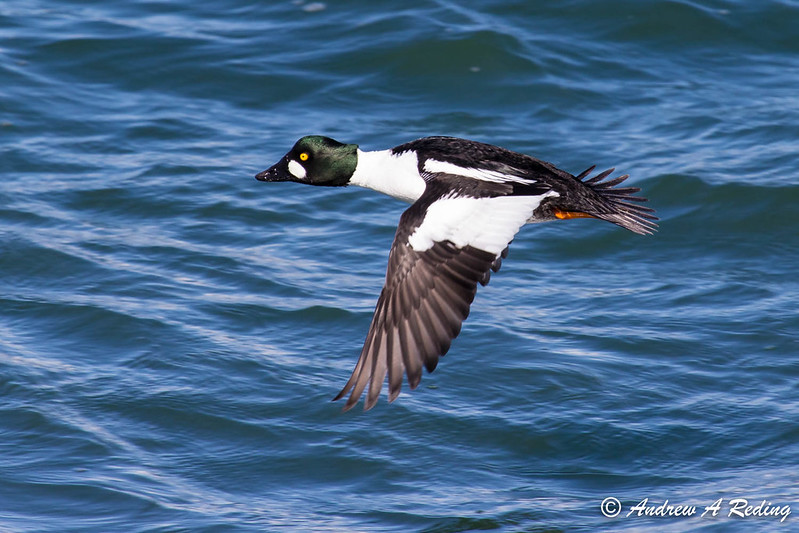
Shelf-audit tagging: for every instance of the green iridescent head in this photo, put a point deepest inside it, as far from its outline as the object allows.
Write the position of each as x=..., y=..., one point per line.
x=315, y=160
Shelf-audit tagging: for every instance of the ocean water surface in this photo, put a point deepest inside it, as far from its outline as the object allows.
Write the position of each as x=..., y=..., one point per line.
x=172, y=331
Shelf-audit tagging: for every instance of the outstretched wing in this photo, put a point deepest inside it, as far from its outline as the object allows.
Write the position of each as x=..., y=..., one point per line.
x=443, y=248
x=420, y=310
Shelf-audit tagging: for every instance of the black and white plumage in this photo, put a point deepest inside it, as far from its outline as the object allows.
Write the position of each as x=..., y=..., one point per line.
x=468, y=201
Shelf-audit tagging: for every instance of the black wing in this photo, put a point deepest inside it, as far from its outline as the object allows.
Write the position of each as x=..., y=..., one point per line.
x=429, y=288
x=420, y=310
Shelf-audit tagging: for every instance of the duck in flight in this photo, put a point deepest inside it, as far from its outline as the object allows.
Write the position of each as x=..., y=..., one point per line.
x=468, y=200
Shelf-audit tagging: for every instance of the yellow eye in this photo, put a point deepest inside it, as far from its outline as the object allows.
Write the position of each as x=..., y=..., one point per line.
x=304, y=156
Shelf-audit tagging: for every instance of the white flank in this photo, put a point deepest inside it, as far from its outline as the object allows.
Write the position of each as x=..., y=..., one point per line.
x=433, y=166
x=485, y=223
x=394, y=175
x=297, y=170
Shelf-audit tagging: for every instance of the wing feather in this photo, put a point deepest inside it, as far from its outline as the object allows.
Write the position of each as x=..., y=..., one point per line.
x=418, y=314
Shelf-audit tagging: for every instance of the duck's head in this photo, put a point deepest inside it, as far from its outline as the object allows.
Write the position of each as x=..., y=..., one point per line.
x=315, y=160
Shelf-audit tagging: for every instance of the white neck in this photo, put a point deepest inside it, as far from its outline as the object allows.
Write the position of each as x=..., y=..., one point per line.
x=394, y=175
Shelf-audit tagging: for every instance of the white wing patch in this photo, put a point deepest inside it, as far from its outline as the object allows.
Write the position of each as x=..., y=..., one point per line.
x=433, y=166
x=485, y=223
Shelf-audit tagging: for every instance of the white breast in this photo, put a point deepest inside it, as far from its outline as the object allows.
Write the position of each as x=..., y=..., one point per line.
x=394, y=175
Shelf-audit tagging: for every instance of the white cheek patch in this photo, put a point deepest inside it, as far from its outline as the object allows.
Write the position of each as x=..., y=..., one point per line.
x=297, y=170
x=485, y=223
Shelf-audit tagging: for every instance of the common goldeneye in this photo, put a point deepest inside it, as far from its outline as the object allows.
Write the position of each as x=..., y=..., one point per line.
x=468, y=200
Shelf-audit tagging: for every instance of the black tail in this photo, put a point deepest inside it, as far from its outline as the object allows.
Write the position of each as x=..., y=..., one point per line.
x=615, y=204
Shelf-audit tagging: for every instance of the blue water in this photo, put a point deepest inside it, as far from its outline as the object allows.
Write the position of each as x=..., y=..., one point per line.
x=172, y=331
